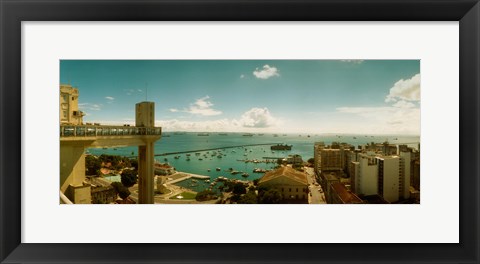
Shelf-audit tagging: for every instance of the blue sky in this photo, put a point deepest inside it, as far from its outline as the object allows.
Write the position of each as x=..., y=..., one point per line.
x=277, y=96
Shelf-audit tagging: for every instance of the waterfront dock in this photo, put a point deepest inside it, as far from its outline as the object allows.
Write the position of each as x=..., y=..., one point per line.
x=186, y=176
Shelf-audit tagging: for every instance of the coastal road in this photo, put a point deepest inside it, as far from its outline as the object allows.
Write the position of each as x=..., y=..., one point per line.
x=317, y=196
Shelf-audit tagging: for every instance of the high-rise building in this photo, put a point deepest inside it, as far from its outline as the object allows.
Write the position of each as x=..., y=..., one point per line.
x=405, y=174
x=366, y=176
x=389, y=177
x=332, y=160
x=317, y=147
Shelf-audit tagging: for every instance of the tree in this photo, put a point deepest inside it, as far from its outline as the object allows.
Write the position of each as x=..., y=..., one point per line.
x=205, y=196
x=239, y=188
x=271, y=196
x=92, y=165
x=134, y=163
x=121, y=190
x=129, y=178
x=249, y=198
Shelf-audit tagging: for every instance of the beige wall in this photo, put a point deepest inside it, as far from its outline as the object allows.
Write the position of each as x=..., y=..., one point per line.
x=69, y=112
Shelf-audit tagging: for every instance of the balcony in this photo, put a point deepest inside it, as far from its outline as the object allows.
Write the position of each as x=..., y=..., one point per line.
x=87, y=131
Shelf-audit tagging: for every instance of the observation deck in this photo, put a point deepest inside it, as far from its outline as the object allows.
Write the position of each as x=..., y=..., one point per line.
x=106, y=135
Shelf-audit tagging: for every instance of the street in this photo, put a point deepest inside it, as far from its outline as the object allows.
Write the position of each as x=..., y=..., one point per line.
x=317, y=196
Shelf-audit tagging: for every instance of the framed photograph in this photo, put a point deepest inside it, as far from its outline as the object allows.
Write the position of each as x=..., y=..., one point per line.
x=239, y=131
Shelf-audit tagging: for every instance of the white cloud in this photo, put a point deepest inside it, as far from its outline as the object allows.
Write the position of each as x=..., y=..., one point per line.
x=408, y=90
x=182, y=125
x=258, y=118
x=403, y=104
x=400, y=118
x=266, y=72
x=242, y=76
x=109, y=98
x=89, y=106
x=202, y=106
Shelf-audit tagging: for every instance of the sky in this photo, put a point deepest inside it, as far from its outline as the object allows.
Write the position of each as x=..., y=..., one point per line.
x=270, y=96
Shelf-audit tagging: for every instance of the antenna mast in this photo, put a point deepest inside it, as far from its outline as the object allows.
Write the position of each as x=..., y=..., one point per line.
x=146, y=91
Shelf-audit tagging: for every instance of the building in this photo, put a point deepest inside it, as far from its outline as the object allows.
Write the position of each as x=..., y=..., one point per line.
x=103, y=194
x=317, y=147
x=295, y=160
x=292, y=184
x=75, y=137
x=339, y=194
x=405, y=174
x=389, y=177
x=326, y=180
x=331, y=160
x=366, y=175
x=69, y=112
x=163, y=169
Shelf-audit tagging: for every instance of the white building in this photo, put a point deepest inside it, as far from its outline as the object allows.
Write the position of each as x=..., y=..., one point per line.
x=366, y=178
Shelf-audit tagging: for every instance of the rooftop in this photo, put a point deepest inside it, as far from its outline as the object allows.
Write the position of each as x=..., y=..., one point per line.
x=345, y=195
x=285, y=172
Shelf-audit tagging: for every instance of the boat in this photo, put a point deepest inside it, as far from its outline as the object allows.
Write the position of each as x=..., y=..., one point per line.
x=354, y=138
x=188, y=159
x=245, y=174
x=275, y=135
x=222, y=134
x=219, y=156
x=208, y=170
x=165, y=159
x=177, y=157
x=281, y=147
x=203, y=134
x=200, y=159
x=234, y=172
x=247, y=135
x=217, y=169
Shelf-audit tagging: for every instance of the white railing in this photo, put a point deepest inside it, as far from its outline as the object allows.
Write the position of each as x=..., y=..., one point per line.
x=64, y=199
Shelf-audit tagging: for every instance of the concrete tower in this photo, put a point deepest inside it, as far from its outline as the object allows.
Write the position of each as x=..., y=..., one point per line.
x=145, y=118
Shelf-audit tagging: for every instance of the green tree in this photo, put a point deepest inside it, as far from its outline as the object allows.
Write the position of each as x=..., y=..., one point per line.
x=121, y=190
x=239, y=188
x=249, y=198
x=129, y=178
x=134, y=163
x=92, y=165
x=205, y=196
x=271, y=196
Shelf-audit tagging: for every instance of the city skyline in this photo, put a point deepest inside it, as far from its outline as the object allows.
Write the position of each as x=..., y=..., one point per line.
x=279, y=96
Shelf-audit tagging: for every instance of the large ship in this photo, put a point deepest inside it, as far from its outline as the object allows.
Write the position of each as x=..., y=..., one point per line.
x=281, y=147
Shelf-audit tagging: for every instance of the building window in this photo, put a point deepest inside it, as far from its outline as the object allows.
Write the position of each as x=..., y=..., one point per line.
x=289, y=189
x=297, y=189
x=282, y=189
x=65, y=97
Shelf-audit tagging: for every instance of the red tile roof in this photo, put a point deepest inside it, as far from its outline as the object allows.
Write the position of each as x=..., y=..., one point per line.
x=345, y=195
x=286, y=172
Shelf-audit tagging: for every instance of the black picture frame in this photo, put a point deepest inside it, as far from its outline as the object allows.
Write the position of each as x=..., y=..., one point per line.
x=13, y=12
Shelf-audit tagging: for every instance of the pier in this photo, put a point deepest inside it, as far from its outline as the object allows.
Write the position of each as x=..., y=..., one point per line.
x=209, y=149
